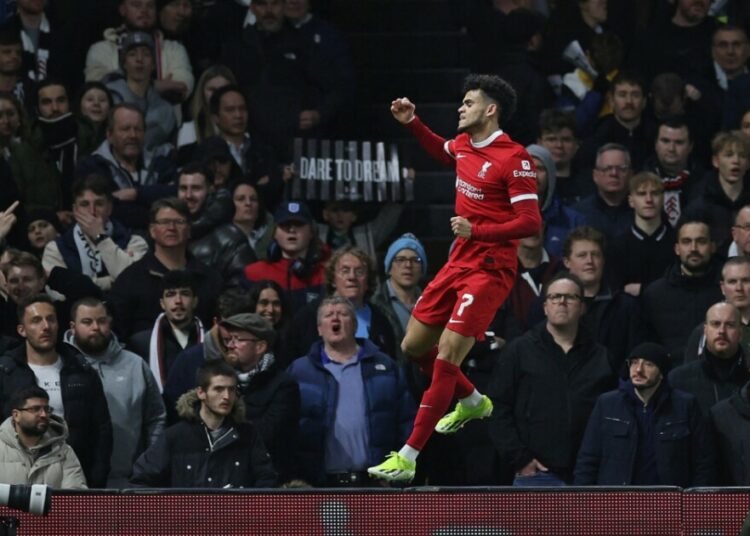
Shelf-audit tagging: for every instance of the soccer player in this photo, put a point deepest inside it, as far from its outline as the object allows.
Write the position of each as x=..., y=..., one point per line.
x=496, y=204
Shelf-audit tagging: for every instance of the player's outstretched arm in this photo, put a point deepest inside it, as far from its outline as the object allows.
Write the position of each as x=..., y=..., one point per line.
x=403, y=110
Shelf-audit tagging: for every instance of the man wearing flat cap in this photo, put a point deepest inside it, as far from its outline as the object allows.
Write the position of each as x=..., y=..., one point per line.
x=645, y=433
x=271, y=396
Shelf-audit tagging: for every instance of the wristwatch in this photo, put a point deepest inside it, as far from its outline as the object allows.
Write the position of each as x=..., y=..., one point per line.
x=100, y=237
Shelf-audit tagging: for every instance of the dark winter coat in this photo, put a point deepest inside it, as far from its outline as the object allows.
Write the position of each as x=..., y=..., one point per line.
x=390, y=408
x=86, y=410
x=609, y=450
x=184, y=458
x=543, y=398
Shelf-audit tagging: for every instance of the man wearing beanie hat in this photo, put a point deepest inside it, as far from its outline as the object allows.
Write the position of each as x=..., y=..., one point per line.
x=559, y=220
x=645, y=433
x=496, y=205
x=405, y=266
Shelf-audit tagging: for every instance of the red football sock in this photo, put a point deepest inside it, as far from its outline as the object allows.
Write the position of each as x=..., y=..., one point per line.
x=427, y=361
x=435, y=402
x=464, y=387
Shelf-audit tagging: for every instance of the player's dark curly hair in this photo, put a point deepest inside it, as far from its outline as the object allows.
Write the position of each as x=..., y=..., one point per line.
x=496, y=89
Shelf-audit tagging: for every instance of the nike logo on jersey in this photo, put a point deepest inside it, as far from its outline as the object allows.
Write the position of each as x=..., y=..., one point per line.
x=451, y=321
x=483, y=172
x=460, y=155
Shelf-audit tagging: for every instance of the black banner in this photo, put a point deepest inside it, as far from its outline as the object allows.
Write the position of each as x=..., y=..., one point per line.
x=349, y=170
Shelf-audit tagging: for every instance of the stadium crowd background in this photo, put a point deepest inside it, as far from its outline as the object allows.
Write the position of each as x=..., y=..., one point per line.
x=149, y=147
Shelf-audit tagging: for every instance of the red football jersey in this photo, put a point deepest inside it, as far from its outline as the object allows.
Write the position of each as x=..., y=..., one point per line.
x=491, y=176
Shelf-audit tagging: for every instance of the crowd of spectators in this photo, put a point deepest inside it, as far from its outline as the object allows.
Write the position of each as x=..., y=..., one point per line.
x=169, y=318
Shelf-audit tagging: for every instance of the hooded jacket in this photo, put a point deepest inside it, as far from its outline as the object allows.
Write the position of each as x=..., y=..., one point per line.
x=184, y=457
x=51, y=462
x=160, y=119
x=135, y=405
x=559, y=220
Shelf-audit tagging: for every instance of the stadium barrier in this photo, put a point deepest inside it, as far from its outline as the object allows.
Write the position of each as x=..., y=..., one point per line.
x=424, y=511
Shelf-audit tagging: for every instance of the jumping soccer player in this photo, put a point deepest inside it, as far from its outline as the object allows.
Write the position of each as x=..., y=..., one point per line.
x=496, y=204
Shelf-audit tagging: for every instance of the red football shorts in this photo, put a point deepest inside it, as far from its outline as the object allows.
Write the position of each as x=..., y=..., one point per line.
x=464, y=300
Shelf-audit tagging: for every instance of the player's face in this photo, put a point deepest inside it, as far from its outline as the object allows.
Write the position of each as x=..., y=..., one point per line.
x=673, y=147
x=735, y=285
x=472, y=115
x=647, y=201
x=586, y=261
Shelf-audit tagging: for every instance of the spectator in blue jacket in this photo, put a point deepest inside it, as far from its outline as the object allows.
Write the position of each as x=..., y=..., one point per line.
x=645, y=432
x=355, y=404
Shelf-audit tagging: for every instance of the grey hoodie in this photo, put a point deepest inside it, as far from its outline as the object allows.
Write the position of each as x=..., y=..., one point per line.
x=51, y=462
x=135, y=405
x=537, y=151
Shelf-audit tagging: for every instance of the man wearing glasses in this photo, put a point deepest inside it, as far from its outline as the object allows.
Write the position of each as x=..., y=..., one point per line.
x=350, y=272
x=136, y=292
x=271, y=396
x=544, y=387
x=607, y=209
x=32, y=444
x=73, y=388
